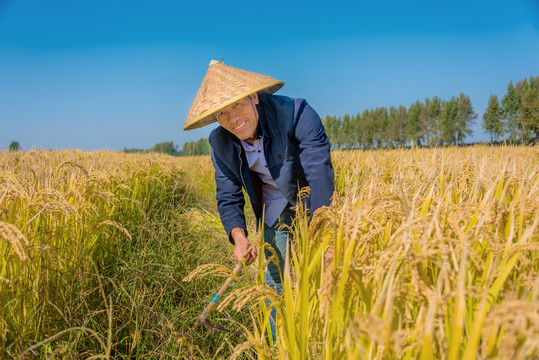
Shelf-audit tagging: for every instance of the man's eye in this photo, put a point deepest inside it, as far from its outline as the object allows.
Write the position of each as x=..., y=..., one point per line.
x=236, y=104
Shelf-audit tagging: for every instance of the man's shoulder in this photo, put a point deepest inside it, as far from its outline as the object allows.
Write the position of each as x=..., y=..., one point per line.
x=222, y=141
x=216, y=139
x=277, y=100
x=282, y=103
x=219, y=134
x=214, y=134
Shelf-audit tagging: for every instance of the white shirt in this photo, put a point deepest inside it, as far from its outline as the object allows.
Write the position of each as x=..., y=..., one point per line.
x=273, y=198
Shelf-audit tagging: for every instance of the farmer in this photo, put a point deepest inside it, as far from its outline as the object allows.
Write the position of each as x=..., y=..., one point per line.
x=269, y=145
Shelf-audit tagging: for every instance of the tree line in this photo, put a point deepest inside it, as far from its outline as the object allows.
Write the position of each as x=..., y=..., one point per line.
x=195, y=148
x=192, y=148
x=437, y=122
x=515, y=118
x=430, y=123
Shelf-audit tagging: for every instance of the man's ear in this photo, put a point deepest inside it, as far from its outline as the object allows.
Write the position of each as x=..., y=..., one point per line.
x=254, y=96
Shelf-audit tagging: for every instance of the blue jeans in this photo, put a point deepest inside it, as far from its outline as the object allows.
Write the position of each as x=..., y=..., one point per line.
x=278, y=236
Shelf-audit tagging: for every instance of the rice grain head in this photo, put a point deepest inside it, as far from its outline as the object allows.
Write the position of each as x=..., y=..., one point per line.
x=15, y=237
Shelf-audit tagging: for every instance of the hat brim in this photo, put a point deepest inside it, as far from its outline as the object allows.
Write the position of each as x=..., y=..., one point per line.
x=208, y=117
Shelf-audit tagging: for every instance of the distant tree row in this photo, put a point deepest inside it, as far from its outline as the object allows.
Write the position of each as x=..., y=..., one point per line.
x=192, y=148
x=166, y=147
x=430, y=123
x=514, y=119
x=199, y=147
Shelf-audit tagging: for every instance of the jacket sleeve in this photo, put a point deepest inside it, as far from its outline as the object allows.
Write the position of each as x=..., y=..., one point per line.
x=314, y=154
x=230, y=199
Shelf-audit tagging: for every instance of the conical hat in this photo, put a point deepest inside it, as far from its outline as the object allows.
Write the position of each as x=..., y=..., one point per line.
x=221, y=86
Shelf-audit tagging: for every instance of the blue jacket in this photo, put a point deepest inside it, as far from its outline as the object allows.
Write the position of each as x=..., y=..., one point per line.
x=297, y=153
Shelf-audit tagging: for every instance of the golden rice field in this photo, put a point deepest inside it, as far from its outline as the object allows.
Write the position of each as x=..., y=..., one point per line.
x=435, y=255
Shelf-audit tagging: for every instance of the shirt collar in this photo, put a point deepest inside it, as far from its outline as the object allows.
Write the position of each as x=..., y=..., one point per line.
x=249, y=147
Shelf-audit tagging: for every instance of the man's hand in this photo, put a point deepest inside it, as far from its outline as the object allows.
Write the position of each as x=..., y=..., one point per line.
x=241, y=250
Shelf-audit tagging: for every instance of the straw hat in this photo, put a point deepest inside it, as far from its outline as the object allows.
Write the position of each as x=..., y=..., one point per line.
x=221, y=86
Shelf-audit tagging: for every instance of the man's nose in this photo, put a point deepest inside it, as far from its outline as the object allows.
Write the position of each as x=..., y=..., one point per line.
x=234, y=116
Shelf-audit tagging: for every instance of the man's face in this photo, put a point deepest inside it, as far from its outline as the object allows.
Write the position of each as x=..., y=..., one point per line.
x=240, y=117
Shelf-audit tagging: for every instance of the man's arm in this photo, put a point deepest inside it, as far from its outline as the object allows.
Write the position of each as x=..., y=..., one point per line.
x=230, y=203
x=315, y=156
x=229, y=195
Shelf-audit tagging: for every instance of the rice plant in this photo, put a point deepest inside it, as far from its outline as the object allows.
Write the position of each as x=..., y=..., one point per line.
x=434, y=255
x=93, y=247
x=424, y=253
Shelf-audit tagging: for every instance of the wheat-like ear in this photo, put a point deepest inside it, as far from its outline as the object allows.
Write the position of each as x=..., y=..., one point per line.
x=252, y=294
x=118, y=226
x=209, y=269
x=15, y=237
x=251, y=343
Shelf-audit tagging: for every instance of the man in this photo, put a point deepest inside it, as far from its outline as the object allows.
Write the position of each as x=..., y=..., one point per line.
x=269, y=145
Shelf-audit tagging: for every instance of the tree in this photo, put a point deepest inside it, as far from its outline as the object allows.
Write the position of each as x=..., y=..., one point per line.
x=380, y=124
x=346, y=134
x=430, y=119
x=398, y=123
x=332, y=124
x=366, y=129
x=448, y=122
x=415, y=128
x=203, y=147
x=527, y=94
x=531, y=104
x=166, y=147
x=466, y=118
x=14, y=146
x=392, y=131
x=133, y=150
x=189, y=148
x=492, y=118
x=356, y=127
x=510, y=111
x=195, y=148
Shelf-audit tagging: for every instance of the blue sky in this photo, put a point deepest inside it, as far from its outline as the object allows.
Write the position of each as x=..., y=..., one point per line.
x=112, y=74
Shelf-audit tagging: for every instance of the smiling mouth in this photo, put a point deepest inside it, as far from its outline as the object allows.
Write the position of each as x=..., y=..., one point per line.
x=240, y=127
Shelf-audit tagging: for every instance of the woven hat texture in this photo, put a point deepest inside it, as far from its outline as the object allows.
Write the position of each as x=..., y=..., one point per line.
x=221, y=86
